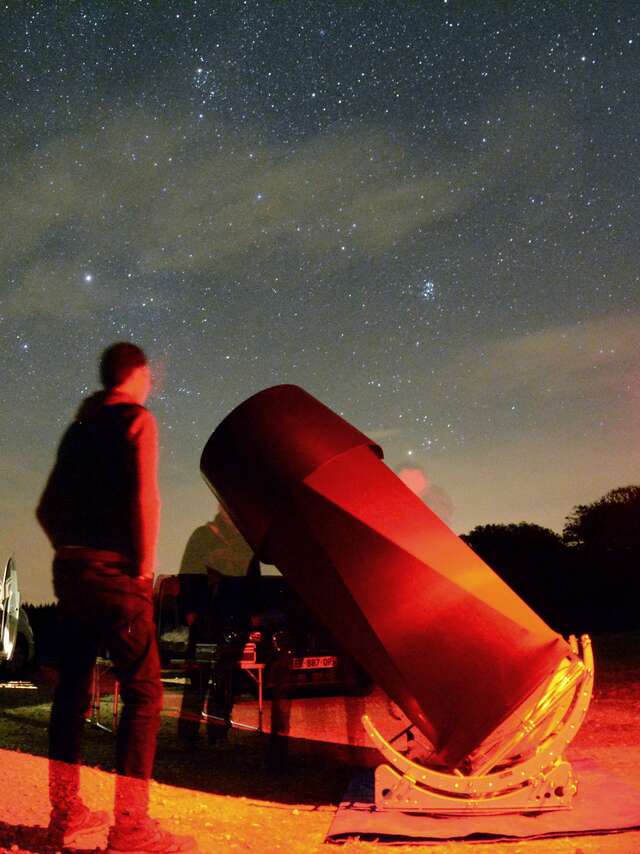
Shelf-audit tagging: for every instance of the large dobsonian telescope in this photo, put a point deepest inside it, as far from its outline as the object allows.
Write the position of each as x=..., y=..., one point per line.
x=492, y=694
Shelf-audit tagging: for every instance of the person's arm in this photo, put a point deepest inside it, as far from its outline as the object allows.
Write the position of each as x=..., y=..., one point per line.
x=47, y=506
x=145, y=510
x=50, y=509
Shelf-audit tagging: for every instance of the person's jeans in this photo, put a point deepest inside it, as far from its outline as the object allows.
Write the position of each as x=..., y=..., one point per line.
x=103, y=610
x=210, y=683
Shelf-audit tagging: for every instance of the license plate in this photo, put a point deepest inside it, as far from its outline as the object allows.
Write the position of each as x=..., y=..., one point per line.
x=314, y=662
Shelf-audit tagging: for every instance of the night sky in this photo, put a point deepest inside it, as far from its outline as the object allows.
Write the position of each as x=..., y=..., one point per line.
x=424, y=213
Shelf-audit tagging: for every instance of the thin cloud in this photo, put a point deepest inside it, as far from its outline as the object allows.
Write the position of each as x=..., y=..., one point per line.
x=573, y=359
x=384, y=433
x=122, y=195
x=52, y=290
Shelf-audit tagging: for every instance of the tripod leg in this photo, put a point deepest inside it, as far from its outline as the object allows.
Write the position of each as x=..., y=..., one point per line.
x=116, y=698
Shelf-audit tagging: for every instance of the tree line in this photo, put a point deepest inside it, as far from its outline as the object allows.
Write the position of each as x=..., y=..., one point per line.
x=586, y=579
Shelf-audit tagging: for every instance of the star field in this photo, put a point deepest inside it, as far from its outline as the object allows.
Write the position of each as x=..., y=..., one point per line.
x=423, y=213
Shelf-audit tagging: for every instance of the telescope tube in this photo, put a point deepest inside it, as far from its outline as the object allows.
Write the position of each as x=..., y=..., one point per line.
x=434, y=626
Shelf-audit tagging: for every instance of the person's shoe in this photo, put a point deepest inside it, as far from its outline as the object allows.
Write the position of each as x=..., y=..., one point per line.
x=77, y=827
x=147, y=837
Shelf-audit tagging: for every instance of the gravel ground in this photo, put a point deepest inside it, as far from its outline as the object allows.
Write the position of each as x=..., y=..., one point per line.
x=228, y=799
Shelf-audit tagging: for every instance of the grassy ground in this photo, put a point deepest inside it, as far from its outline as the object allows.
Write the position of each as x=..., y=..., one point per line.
x=231, y=801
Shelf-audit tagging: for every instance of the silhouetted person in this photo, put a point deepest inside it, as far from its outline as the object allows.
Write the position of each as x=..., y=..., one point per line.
x=100, y=510
x=217, y=546
x=218, y=550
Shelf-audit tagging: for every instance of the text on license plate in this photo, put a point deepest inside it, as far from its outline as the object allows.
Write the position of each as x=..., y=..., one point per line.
x=313, y=662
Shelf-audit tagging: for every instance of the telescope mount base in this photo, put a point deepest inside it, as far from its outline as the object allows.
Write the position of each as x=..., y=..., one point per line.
x=527, y=773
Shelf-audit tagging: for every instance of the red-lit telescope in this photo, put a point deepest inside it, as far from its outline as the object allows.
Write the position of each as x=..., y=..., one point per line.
x=497, y=694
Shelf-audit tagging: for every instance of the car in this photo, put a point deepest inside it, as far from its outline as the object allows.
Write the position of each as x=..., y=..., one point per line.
x=17, y=646
x=253, y=618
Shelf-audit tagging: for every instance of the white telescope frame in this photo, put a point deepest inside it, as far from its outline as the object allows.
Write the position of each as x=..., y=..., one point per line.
x=524, y=772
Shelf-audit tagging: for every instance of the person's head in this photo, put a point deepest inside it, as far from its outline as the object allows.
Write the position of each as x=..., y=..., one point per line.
x=124, y=366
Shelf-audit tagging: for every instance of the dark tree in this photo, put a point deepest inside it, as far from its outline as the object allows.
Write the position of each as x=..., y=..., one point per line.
x=604, y=541
x=609, y=526
x=43, y=622
x=531, y=560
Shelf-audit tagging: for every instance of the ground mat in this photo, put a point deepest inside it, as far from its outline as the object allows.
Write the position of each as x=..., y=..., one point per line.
x=603, y=804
